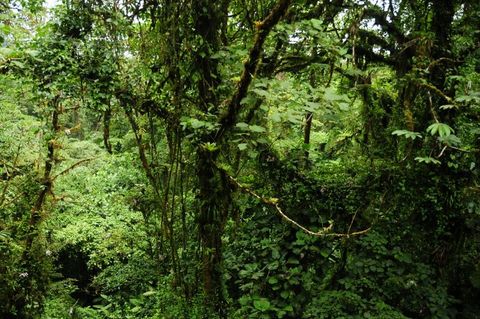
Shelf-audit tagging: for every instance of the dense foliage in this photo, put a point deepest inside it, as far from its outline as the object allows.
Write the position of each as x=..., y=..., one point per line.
x=240, y=159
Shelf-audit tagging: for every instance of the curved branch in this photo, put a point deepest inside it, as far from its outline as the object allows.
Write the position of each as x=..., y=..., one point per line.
x=274, y=202
x=436, y=90
x=371, y=38
x=65, y=171
x=381, y=20
x=372, y=56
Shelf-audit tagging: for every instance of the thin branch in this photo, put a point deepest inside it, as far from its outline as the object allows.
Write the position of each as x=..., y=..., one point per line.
x=438, y=61
x=443, y=150
x=274, y=202
x=352, y=221
x=473, y=150
x=65, y=171
x=430, y=103
x=474, y=189
x=437, y=91
x=11, y=201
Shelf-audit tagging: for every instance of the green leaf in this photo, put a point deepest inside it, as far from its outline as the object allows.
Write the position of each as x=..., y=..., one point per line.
x=343, y=106
x=248, y=100
x=242, y=126
x=288, y=308
x=450, y=140
x=272, y=280
x=275, y=253
x=261, y=304
x=218, y=55
x=18, y=64
x=149, y=293
x=244, y=300
x=312, y=106
x=261, y=92
x=261, y=140
x=257, y=129
x=196, y=123
x=474, y=96
x=6, y=52
x=427, y=160
x=330, y=95
x=447, y=107
x=211, y=147
x=32, y=53
x=407, y=134
x=242, y=146
x=442, y=129
x=276, y=117
x=317, y=24
x=294, y=118
x=325, y=252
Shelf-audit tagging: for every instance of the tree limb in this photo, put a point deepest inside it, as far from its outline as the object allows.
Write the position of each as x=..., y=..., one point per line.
x=72, y=167
x=250, y=67
x=381, y=20
x=274, y=202
x=436, y=90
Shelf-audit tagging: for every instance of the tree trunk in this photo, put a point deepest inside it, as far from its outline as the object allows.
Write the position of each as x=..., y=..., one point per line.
x=214, y=198
x=107, y=115
x=36, y=278
x=212, y=213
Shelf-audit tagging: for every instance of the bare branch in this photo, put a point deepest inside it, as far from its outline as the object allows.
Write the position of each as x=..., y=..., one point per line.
x=65, y=171
x=274, y=202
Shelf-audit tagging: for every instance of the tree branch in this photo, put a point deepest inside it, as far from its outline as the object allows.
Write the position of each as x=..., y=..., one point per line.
x=274, y=202
x=250, y=67
x=436, y=90
x=72, y=167
x=380, y=18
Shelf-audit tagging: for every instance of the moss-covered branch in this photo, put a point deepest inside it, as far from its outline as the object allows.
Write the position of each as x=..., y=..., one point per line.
x=250, y=67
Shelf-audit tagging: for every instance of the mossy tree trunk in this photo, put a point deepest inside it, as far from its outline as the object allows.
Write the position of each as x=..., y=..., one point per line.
x=212, y=196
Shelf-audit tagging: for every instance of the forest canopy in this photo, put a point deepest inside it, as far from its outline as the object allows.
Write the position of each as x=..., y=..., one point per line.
x=239, y=159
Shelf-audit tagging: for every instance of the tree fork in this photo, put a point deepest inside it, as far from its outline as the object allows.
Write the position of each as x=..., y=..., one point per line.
x=250, y=67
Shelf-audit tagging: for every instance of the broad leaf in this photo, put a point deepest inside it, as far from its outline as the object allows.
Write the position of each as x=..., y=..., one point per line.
x=261, y=304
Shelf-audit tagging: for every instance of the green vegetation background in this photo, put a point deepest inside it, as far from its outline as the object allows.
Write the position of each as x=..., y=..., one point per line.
x=240, y=159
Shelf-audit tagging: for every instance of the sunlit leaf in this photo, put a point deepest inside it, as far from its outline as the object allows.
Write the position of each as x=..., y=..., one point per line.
x=261, y=304
x=427, y=160
x=242, y=146
x=440, y=128
x=407, y=134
